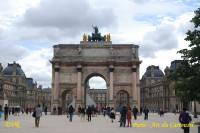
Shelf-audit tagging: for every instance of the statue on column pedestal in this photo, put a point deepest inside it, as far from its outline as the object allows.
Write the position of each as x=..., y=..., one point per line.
x=84, y=37
x=79, y=51
x=108, y=37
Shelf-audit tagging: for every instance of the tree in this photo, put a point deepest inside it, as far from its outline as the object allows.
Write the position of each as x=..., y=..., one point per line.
x=187, y=76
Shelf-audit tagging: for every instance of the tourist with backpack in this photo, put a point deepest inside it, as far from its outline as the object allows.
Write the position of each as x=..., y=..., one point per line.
x=184, y=119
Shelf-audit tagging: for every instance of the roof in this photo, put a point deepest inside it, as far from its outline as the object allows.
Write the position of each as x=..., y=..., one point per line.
x=153, y=71
x=13, y=69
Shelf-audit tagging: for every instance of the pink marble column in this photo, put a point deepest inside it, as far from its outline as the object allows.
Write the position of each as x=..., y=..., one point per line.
x=79, y=69
x=111, y=82
x=56, y=83
x=134, y=80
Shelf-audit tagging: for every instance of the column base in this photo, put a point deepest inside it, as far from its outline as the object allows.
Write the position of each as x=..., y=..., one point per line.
x=135, y=103
x=54, y=103
x=111, y=103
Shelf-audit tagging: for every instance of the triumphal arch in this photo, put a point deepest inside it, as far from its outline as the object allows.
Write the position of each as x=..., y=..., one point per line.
x=74, y=64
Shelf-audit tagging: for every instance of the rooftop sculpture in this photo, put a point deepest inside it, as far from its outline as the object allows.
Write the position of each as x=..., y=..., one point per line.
x=96, y=36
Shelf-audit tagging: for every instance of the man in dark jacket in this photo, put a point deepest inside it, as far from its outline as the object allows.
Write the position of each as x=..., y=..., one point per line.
x=89, y=113
x=6, y=112
x=185, y=119
x=135, y=111
x=123, y=116
x=71, y=112
x=146, y=112
x=0, y=111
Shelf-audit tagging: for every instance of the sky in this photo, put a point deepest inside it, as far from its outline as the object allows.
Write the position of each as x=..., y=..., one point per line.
x=29, y=29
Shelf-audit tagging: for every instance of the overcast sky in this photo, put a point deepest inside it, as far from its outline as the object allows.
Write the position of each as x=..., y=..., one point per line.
x=29, y=29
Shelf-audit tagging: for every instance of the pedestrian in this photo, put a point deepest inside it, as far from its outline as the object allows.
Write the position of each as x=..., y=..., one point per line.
x=104, y=111
x=129, y=116
x=161, y=112
x=120, y=113
x=79, y=110
x=112, y=114
x=27, y=110
x=89, y=113
x=123, y=116
x=141, y=110
x=108, y=111
x=146, y=111
x=22, y=110
x=82, y=112
x=45, y=110
x=71, y=112
x=10, y=110
x=174, y=111
x=30, y=110
x=1, y=111
x=135, y=111
x=17, y=110
x=185, y=119
x=6, y=108
x=58, y=109
x=38, y=114
x=13, y=111
x=54, y=110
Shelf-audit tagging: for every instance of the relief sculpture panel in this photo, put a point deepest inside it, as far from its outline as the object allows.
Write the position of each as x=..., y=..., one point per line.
x=68, y=78
x=122, y=78
x=95, y=52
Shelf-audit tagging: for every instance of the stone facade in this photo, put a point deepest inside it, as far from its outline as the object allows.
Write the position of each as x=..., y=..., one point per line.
x=157, y=91
x=17, y=90
x=73, y=65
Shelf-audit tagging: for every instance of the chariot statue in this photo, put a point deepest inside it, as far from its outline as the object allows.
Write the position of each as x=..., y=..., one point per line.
x=96, y=36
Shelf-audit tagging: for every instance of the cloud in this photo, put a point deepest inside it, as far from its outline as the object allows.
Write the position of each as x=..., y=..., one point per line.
x=141, y=2
x=37, y=66
x=68, y=18
x=162, y=38
x=183, y=23
x=10, y=53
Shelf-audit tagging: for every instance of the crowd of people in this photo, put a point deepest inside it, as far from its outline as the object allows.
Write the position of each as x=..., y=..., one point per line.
x=86, y=113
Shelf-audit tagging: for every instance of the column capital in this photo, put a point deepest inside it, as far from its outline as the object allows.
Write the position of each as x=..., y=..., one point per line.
x=79, y=69
x=134, y=69
x=56, y=69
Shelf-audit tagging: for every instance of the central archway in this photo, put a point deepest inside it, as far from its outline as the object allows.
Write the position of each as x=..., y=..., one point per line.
x=94, y=93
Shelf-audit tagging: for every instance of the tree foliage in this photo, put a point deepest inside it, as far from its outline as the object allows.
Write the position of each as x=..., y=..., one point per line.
x=187, y=76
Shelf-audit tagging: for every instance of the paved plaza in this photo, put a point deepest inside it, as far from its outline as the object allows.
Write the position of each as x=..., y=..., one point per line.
x=99, y=124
